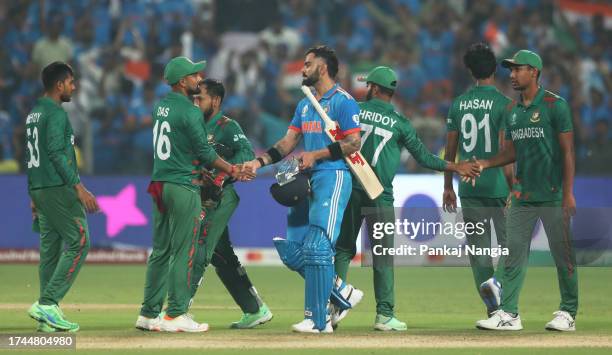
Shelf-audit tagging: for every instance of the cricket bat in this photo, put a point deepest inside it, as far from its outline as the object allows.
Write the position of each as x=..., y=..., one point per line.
x=356, y=162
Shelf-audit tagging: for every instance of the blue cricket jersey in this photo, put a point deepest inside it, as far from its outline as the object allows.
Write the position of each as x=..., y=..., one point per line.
x=341, y=107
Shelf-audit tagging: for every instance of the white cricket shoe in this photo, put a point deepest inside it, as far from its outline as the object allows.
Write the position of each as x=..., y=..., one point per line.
x=490, y=292
x=182, y=323
x=353, y=296
x=500, y=320
x=150, y=324
x=308, y=326
x=562, y=322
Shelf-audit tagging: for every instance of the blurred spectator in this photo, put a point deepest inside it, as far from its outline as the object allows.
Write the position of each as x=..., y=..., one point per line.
x=53, y=46
x=119, y=50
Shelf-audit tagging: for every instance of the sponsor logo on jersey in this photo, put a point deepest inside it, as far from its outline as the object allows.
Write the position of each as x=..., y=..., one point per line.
x=535, y=117
x=476, y=104
x=72, y=139
x=513, y=119
x=527, y=133
x=326, y=109
x=311, y=127
x=304, y=110
x=356, y=119
x=238, y=136
x=210, y=138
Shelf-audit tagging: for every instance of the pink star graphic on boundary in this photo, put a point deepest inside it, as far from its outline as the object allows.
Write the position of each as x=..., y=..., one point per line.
x=121, y=211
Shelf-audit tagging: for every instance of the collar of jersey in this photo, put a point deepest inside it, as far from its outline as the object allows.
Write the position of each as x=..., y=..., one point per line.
x=380, y=102
x=330, y=92
x=48, y=100
x=179, y=96
x=484, y=87
x=536, y=100
x=214, y=119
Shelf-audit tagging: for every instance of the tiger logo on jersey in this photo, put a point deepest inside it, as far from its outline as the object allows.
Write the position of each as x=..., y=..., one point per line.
x=535, y=117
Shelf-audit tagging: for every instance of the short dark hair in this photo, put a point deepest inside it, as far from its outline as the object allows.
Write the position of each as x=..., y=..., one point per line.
x=214, y=88
x=54, y=72
x=480, y=60
x=329, y=55
x=384, y=90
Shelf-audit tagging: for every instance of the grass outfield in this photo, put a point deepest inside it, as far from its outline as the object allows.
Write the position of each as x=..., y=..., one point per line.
x=440, y=306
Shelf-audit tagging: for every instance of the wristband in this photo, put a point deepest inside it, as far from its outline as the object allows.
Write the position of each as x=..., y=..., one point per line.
x=275, y=155
x=335, y=151
x=261, y=161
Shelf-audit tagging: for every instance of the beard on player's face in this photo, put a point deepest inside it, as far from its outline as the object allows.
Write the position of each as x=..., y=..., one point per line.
x=193, y=90
x=311, y=79
x=208, y=112
x=369, y=94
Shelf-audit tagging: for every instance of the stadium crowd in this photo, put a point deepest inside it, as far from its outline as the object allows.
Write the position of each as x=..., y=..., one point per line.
x=119, y=48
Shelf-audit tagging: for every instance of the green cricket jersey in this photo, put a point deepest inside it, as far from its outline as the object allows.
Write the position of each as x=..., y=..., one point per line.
x=478, y=116
x=534, y=131
x=179, y=140
x=50, y=156
x=383, y=134
x=222, y=129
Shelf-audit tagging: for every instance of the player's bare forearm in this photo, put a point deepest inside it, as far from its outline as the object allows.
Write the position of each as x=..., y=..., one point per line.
x=566, y=142
x=506, y=156
x=284, y=146
x=351, y=143
x=450, y=152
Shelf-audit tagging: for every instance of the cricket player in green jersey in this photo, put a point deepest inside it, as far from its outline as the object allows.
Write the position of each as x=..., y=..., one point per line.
x=539, y=138
x=475, y=124
x=384, y=133
x=219, y=201
x=179, y=147
x=59, y=199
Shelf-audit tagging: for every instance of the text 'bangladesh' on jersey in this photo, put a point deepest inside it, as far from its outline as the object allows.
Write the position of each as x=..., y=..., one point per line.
x=534, y=130
x=477, y=116
x=179, y=140
x=50, y=157
x=383, y=134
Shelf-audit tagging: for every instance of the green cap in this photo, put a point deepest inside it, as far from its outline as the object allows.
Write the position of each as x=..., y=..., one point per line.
x=523, y=57
x=180, y=67
x=383, y=76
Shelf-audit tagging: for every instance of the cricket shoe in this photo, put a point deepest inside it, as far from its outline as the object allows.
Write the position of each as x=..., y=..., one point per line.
x=500, y=320
x=46, y=328
x=353, y=296
x=52, y=315
x=562, y=322
x=251, y=320
x=308, y=326
x=385, y=323
x=490, y=292
x=149, y=324
x=182, y=323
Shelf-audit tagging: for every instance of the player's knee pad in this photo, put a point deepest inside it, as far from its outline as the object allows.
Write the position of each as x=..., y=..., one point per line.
x=317, y=248
x=290, y=253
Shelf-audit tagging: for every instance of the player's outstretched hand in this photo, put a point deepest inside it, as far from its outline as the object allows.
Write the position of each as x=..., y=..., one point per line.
x=449, y=200
x=252, y=165
x=87, y=198
x=242, y=173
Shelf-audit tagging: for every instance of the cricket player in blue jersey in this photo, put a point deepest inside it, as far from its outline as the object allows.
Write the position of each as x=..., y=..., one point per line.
x=309, y=247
